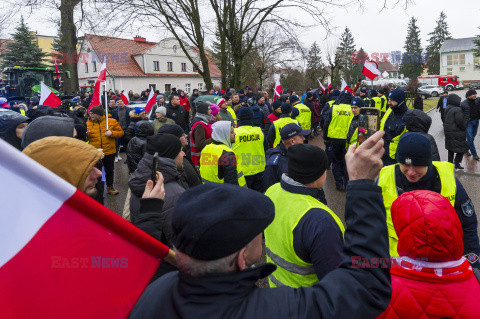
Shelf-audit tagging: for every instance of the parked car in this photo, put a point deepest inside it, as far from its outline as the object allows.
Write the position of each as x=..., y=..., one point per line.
x=430, y=90
x=475, y=85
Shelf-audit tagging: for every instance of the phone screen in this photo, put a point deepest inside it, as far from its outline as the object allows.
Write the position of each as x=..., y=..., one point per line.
x=368, y=123
x=154, y=168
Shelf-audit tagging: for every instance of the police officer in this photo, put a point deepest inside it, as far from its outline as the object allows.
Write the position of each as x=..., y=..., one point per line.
x=306, y=237
x=352, y=135
x=378, y=100
x=218, y=163
x=364, y=96
x=335, y=130
x=276, y=159
x=273, y=135
x=305, y=114
x=333, y=97
x=382, y=93
x=393, y=125
x=416, y=171
x=249, y=149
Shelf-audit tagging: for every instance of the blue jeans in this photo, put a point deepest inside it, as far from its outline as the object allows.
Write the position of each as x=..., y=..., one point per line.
x=472, y=129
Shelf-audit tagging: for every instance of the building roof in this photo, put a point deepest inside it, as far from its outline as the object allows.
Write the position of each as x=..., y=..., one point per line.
x=214, y=70
x=120, y=56
x=463, y=44
x=386, y=66
x=3, y=44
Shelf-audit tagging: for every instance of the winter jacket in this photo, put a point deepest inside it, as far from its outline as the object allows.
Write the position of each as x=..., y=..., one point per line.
x=316, y=111
x=430, y=279
x=130, y=131
x=226, y=116
x=45, y=126
x=346, y=292
x=126, y=114
x=394, y=126
x=276, y=165
x=420, y=122
x=158, y=123
x=470, y=109
x=136, y=146
x=97, y=136
x=39, y=111
x=258, y=116
x=455, y=126
x=185, y=102
x=418, y=103
x=9, y=120
x=179, y=115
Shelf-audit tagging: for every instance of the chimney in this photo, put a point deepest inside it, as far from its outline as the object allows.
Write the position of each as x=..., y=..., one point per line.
x=139, y=38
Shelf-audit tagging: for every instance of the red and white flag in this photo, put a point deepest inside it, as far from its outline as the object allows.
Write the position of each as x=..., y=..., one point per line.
x=370, y=70
x=47, y=97
x=125, y=98
x=278, y=91
x=63, y=254
x=321, y=85
x=57, y=71
x=150, y=101
x=329, y=83
x=102, y=77
x=345, y=87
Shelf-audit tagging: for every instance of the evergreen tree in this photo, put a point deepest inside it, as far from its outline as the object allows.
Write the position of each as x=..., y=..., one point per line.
x=345, y=49
x=314, y=65
x=476, y=50
x=23, y=50
x=412, y=64
x=437, y=37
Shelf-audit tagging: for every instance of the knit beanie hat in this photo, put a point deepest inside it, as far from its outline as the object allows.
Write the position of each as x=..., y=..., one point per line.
x=306, y=163
x=167, y=145
x=98, y=110
x=286, y=108
x=245, y=113
x=162, y=110
x=173, y=129
x=276, y=104
x=414, y=149
x=397, y=95
x=202, y=107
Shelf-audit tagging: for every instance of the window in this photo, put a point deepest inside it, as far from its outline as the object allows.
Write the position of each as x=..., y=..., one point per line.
x=94, y=66
x=187, y=87
x=449, y=71
x=200, y=86
x=156, y=66
x=194, y=69
x=456, y=59
x=184, y=67
x=462, y=69
x=168, y=87
x=86, y=67
x=169, y=66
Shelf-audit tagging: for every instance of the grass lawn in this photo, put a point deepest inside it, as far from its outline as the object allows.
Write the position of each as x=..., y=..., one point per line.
x=428, y=104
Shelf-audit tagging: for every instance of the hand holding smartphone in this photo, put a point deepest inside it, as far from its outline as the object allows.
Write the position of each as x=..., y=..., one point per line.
x=154, y=168
x=368, y=123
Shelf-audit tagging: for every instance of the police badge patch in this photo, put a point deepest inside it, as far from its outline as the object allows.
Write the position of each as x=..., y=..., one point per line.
x=408, y=161
x=467, y=208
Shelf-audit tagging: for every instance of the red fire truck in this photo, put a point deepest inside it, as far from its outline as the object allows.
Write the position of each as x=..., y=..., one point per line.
x=449, y=82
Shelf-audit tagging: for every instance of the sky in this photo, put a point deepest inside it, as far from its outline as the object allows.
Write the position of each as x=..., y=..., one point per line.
x=374, y=29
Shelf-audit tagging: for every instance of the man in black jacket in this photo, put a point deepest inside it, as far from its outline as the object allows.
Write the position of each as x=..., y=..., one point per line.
x=217, y=245
x=177, y=113
x=471, y=109
x=442, y=105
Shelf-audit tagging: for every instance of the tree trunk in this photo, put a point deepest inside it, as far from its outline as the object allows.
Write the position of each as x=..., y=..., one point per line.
x=68, y=41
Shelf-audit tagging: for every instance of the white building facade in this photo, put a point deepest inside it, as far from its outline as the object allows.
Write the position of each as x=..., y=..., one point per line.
x=457, y=58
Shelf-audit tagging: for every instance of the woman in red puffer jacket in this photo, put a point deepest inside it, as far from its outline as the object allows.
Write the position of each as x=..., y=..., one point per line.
x=184, y=101
x=430, y=279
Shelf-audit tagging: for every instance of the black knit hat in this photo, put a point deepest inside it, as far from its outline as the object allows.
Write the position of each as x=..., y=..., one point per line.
x=276, y=104
x=99, y=110
x=286, y=108
x=167, y=145
x=413, y=149
x=173, y=129
x=245, y=113
x=306, y=163
x=202, y=107
x=208, y=232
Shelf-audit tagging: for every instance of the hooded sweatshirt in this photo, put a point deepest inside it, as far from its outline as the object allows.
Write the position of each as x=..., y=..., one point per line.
x=69, y=158
x=9, y=120
x=47, y=126
x=227, y=167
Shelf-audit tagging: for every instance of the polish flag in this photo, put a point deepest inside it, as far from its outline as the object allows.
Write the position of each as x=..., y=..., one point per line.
x=47, y=97
x=278, y=90
x=321, y=85
x=58, y=72
x=329, y=83
x=345, y=87
x=370, y=70
x=63, y=254
x=150, y=101
x=125, y=98
x=102, y=77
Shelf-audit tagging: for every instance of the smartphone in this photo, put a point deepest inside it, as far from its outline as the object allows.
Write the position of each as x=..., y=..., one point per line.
x=368, y=123
x=154, y=168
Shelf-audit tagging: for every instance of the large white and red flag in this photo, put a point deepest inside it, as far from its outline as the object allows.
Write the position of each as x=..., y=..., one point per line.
x=277, y=91
x=63, y=255
x=345, y=87
x=102, y=77
x=370, y=70
x=125, y=98
x=321, y=86
x=47, y=97
x=150, y=101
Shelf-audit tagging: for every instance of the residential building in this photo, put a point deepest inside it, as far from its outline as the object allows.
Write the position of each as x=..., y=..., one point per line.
x=457, y=58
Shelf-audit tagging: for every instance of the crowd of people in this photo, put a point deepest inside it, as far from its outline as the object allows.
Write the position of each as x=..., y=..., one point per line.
x=241, y=166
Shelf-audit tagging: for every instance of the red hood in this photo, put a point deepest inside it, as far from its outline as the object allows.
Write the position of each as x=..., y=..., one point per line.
x=427, y=226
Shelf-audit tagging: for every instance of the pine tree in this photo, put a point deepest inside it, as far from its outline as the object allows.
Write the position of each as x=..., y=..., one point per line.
x=23, y=50
x=314, y=65
x=412, y=64
x=345, y=49
x=437, y=37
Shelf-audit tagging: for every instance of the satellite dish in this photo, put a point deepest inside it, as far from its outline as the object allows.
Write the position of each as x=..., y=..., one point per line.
x=385, y=74
x=401, y=76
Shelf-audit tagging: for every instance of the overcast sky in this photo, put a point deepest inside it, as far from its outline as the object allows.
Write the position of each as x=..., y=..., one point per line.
x=373, y=29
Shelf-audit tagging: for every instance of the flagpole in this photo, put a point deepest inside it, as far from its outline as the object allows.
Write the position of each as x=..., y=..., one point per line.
x=106, y=103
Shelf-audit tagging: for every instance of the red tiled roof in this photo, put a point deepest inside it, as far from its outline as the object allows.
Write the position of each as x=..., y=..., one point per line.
x=120, y=52
x=386, y=66
x=3, y=44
